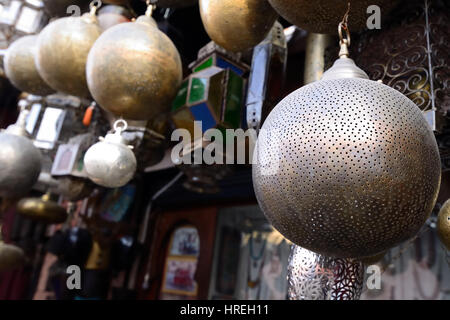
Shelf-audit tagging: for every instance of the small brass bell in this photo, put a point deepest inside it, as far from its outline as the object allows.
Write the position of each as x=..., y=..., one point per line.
x=443, y=224
x=62, y=49
x=322, y=16
x=237, y=25
x=20, y=67
x=42, y=209
x=20, y=160
x=134, y=70
x=345, y=166
x=110, y=162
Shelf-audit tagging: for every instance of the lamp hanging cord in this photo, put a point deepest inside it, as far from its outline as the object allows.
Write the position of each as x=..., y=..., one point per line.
x=344, y=42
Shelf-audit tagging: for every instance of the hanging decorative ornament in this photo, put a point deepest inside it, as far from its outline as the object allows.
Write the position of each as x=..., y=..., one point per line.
x=20, y=160
x=312, y=276
x=62, y=49
x=175, y=3
x=322, y=16
x=109, y=16
x=134, y=70
x=110, y=162
x=237, y=25
x=20, y=67
x=42, y=209
x=443, y=224
x=346, y=166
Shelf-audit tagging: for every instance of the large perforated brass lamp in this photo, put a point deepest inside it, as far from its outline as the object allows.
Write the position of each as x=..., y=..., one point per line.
x=346, y=166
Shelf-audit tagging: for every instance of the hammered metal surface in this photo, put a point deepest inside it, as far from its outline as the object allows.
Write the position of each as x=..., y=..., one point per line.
x=21, y=69
x=346, y=168
x=63, y=47
x=110, y=164
x=312, y=276
x=20, y=165
x=323, y=16
x=134, y=70
x=443, y=224
x=237, y=25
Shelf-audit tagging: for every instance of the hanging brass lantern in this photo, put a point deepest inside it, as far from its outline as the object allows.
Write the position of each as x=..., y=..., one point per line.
x=237, y=25
x=443, y=224
x=20, y=160
x=42, y=209
x=62, y=49
x=322, y=16
x=134, y=70
x=345, y=166
x=312, y=276
x=20, y=67
x=110, y=162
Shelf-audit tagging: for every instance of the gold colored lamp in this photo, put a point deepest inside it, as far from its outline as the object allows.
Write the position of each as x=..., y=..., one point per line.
x=42, y=209
x=443, y=224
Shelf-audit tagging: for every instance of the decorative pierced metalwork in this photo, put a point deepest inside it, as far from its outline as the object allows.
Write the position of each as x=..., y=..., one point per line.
x=346, y=168
x=312, y=276
x=412, y=55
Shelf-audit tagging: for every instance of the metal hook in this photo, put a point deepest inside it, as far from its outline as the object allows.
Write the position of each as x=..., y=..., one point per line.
x=120, y=126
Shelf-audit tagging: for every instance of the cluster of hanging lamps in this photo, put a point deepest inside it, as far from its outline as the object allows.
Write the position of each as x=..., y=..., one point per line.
x=345, y=166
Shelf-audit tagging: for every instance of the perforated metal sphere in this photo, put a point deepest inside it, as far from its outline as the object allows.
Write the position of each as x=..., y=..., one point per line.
x=20, y=164
x=322, y=16
x=21, y=69
x=346, y=167
x=110, y=163
x=312, y=276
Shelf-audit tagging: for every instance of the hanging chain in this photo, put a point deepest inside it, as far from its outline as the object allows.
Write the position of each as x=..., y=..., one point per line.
x=344, y=25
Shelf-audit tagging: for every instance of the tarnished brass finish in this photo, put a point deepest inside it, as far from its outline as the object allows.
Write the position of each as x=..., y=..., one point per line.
x=11, y=256
x=20, y=67
x=316, y=45
x=345, y=166
x=175, y=3
x=237, y=25
x=62, y=50
x=111, y=15
x=443, y=224
x=134, y=70
x=42, y=209
x=322, y=16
